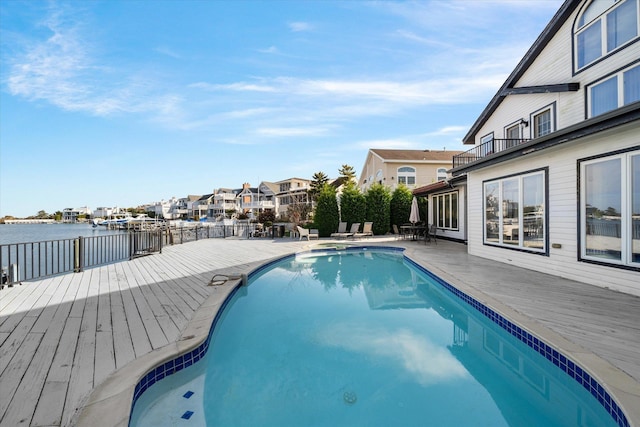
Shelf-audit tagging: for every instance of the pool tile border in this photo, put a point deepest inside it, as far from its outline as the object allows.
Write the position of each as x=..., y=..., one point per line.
x=568, y=366
x=554, y=356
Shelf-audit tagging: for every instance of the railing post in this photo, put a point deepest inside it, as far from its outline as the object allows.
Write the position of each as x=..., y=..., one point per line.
x=132, y=250
x=78, y=254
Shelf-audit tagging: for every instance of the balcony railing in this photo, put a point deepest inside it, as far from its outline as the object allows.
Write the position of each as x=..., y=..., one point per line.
x=485, y=150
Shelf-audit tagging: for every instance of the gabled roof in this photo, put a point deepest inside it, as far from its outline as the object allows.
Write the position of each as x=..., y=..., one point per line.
x=534, y=51
x=414, y=155
x=206, y=196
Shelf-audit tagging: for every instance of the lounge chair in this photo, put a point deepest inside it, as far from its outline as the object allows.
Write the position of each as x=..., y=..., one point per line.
x=367, y=231
x=354, y=229
x=309, y=234
x=342, y=228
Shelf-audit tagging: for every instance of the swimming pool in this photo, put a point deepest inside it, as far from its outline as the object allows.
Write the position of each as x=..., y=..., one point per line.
x=366, y=337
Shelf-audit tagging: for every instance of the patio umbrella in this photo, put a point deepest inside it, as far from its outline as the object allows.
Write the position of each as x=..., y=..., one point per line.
x=414, y=216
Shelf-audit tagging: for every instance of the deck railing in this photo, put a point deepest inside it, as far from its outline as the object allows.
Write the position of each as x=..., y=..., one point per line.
x=484, y=150
x=35, y=260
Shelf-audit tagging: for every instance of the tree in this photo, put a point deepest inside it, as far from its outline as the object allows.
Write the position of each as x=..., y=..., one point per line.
x=378, y=208
x=298, y=212
x=353, y=205
x=326, y=216
x=42, y=214
x=401, y=205
x=318, y=180
x=349, y=173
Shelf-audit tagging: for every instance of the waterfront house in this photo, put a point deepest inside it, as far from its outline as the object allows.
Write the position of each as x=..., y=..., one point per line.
x=254, y=200
x=224, y=200
x=72, y=215
x=553, y=177
x=289, y=192
x=413, y=168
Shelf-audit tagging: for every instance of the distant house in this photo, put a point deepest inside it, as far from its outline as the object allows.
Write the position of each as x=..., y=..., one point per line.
x=72, y=215
x=200, y=208
x=291, y=191
x=553, y=177
x=413, y=168
x=224, y=200
x=253, y=200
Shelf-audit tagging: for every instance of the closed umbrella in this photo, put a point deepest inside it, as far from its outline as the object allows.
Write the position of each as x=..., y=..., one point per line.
x=414, y=216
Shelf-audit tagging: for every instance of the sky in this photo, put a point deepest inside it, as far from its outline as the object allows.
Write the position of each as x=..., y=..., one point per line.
x=128, y=102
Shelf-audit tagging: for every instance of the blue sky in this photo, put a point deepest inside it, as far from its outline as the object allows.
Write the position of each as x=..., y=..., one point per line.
x=121, y=103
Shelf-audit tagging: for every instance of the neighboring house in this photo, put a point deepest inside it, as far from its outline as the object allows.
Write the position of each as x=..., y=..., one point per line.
x=224, y=200
x=413, y=168
x=291, y=191
x=253, y=200
x=554, y=175
x=200, y=208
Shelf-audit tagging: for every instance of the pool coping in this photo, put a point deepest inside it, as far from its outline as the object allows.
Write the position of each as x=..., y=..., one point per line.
x=110, y=403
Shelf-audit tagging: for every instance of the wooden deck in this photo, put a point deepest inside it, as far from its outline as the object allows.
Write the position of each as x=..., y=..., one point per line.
x=62, y=336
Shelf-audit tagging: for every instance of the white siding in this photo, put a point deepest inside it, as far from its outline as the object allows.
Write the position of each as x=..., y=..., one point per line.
x=563, y=215
x=554, y=65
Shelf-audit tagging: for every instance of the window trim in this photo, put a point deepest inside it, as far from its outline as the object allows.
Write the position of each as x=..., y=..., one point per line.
x=545, y=250
x=603, y=38
x=620, y=74
x=581, y=218
x=532, y=125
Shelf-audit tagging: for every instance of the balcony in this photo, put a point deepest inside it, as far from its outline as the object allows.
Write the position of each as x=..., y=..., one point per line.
x=485, y=150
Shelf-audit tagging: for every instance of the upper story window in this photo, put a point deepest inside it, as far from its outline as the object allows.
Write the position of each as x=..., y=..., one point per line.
x=614, y=91
x=604, y=26
x=407, y=175
x=441, y=174
x=379, y=176
x=543, y=121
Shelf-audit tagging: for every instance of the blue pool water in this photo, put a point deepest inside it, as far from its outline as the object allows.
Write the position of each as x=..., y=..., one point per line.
x=365, y=337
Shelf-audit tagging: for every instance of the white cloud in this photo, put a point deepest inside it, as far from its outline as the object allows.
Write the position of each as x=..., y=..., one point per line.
x=288, y=132
x=300, y=26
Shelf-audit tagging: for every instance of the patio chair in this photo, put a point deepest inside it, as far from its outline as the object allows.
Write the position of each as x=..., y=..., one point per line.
x=367, y=231
x=431, y=234
x=309, y=234
x=397, y=232
x=342, y=228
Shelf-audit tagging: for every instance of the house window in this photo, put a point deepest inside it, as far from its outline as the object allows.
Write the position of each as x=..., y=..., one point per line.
x=445, y=210
x=514, y=212
x=407, y=175
x=486, y=145
x=610, y=209
x=513, y=132
x=604, y=26
x=543, y=122
x=441, y=174
x=616, y=91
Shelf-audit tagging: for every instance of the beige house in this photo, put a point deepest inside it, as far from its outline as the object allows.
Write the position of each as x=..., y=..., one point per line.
x=413, y=168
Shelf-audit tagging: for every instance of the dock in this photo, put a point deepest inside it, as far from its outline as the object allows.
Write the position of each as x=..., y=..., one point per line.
x=62, y=336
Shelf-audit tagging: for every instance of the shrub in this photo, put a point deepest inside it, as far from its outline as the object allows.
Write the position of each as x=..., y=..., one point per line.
x=401, y=205
x=326, y=216
x=378, y=208
x=353, y=205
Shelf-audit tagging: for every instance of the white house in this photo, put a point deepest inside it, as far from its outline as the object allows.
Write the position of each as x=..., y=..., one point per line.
x=553, y=177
